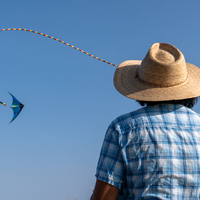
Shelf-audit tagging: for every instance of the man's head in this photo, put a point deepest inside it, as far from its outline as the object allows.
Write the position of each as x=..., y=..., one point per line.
x=163, y=75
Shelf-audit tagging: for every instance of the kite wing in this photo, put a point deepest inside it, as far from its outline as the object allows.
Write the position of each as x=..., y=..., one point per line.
x=16, y=107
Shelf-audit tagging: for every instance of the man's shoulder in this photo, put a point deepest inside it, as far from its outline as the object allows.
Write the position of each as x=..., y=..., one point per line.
x=130, y=118
x=160, y=114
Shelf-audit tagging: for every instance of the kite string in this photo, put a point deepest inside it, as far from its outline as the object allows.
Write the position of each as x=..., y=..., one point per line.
x=28, y=30
x=75, y=147
x=63, y=155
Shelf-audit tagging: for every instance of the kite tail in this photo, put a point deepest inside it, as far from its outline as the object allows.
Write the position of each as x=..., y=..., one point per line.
x=2, y=103
x=23, y=29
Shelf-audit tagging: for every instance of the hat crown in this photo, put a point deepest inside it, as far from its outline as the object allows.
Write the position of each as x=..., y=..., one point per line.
x=164, y=64
x=164, y=56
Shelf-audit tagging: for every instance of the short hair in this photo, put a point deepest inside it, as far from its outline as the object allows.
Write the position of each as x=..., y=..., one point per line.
x=186, y=102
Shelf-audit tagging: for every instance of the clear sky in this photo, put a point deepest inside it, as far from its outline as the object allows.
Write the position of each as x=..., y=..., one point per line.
x=51, y=150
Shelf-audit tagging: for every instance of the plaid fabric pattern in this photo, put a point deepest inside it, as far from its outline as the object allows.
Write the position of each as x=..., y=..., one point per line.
x=153, y=153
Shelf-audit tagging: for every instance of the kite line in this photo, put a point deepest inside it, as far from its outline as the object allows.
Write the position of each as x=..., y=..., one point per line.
x=28, y=30
x=62, y=155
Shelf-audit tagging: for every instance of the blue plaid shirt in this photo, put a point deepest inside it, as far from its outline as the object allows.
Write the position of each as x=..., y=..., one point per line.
x=153, y=153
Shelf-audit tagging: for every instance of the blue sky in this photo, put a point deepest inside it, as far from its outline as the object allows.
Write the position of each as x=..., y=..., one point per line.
x=51, y=150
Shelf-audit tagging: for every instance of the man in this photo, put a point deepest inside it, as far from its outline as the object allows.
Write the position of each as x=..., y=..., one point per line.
x=154, y=152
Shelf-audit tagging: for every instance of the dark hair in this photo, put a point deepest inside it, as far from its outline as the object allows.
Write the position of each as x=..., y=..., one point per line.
x=186, y=102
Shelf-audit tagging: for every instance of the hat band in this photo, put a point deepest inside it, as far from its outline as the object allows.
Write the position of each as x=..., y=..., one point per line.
x=160, y=85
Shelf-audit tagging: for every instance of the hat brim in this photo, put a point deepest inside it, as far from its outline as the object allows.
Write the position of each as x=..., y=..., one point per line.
x=128, y=84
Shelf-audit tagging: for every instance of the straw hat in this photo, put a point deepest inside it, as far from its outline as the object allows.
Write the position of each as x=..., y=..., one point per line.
x=161, y=76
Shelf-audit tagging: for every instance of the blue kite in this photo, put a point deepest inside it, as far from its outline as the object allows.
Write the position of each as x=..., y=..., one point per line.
x=16, y=107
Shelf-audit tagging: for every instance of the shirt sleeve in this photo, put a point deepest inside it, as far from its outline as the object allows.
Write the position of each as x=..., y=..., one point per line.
x=110, y=168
